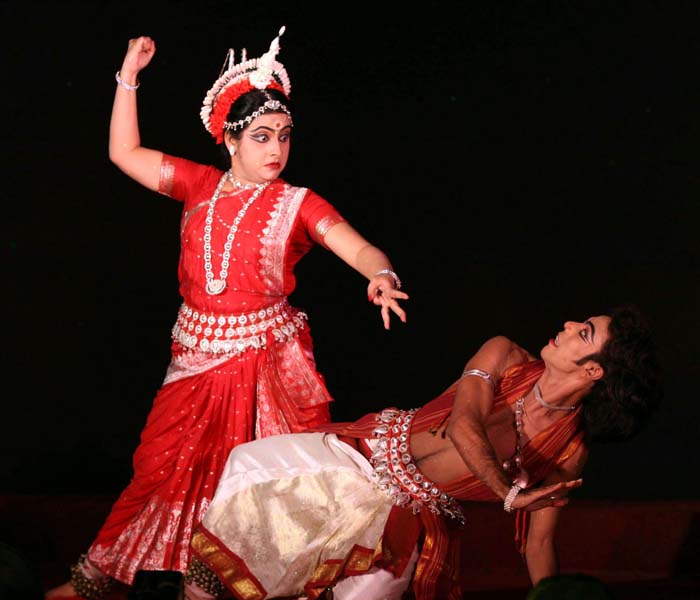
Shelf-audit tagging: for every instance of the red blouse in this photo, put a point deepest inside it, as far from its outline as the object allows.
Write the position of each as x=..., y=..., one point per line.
x=278, y=229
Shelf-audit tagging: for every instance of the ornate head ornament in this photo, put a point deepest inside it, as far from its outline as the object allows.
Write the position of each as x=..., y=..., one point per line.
x=262, y=73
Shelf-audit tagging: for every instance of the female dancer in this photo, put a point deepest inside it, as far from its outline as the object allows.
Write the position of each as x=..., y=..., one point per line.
x=242, y=364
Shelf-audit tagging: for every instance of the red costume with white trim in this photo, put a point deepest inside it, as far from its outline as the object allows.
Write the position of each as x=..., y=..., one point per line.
x=242, y=365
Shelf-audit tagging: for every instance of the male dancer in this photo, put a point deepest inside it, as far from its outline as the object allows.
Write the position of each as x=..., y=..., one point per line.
x=366, y=508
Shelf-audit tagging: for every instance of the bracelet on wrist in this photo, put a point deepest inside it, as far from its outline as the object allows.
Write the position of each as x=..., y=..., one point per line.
x=510, y=497
x=125, y=85
x=394, y=276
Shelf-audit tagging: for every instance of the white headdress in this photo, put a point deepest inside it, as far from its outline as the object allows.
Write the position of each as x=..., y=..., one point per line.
x=235, y=80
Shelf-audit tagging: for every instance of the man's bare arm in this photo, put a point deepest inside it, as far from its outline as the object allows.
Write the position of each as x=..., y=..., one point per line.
x=540, y=549
x=466, y=427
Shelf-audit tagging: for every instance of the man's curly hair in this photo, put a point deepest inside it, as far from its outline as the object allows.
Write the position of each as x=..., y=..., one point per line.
x=622, y=402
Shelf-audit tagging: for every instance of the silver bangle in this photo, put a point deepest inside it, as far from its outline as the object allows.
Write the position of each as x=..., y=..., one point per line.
x=394, y=276
x=508, y=501
x=125, y=85
x=479, y=373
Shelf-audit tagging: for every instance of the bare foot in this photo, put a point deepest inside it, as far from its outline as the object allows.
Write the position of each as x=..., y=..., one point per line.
x=62, y=591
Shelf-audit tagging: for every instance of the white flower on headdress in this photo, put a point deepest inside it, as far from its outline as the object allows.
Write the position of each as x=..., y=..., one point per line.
x=262, y=76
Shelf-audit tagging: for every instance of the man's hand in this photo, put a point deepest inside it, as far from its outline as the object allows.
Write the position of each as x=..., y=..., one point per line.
x=546, y=496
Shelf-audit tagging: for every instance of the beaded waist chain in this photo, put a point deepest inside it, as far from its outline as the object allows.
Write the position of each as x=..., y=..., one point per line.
x=396, y=472
x=235, y=333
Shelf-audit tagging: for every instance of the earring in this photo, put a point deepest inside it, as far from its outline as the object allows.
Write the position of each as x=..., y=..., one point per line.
x=232, y=150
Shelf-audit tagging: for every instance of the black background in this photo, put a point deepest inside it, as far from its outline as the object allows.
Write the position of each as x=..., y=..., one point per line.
x=521, y=163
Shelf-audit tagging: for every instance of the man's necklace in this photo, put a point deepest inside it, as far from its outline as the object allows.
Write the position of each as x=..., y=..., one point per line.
x=516, y=461
x=538, y=397
x=216, y=286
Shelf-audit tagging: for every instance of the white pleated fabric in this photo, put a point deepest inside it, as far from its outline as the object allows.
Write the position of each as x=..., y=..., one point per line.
x=288, y=503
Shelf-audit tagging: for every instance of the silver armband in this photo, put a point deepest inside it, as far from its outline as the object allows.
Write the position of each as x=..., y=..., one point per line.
x=479, y=373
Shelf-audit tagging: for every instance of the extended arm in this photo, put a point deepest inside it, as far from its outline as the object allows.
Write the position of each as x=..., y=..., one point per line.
x=346, y=243
x=125, y=150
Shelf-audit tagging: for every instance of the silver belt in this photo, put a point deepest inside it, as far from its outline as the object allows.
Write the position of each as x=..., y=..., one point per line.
x=397, y=474
x=235, y=333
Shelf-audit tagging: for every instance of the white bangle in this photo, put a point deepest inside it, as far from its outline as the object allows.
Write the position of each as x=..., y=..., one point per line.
x=125, y=85
x=508, y=502
x=394, y=276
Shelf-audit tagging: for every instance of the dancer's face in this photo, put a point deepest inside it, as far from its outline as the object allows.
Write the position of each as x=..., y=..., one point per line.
x=576, y=341
x=263, y=149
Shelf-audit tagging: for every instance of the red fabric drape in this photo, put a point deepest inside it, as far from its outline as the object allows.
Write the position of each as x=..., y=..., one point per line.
x=436, y=573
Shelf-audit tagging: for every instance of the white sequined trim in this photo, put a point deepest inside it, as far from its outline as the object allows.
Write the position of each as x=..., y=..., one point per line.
x=397, y=474
x=275, y=236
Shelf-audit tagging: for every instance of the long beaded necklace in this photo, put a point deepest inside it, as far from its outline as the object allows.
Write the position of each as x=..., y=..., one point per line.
x=516, y=461
x=216, y=286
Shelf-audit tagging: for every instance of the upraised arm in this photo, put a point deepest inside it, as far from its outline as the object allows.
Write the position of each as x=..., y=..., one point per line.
x=125, y=150
x=346, y=243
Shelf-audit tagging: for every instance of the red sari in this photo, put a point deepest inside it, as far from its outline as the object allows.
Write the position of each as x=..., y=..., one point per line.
x=242, y=365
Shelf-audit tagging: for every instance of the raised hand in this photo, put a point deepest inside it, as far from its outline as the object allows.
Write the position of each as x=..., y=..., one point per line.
x=139, y=53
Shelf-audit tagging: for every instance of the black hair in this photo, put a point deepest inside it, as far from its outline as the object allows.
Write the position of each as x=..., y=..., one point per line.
x=622, y=402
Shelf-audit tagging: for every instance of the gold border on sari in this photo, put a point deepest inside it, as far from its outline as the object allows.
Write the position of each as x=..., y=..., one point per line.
x=229, y=568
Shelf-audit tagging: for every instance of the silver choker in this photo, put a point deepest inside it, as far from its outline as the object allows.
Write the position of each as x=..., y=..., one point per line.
x=538, y=397
x=239, y=185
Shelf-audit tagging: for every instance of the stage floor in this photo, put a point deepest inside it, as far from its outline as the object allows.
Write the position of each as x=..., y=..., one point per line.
x=641, y=550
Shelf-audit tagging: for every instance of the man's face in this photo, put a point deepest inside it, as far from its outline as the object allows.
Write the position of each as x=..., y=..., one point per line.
x=576, y=341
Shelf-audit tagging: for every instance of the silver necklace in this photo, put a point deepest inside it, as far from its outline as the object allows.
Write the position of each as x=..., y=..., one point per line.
x=242, y=186
x=516, y=461
x=216, y=286
x=514, y=464
x=538, y=397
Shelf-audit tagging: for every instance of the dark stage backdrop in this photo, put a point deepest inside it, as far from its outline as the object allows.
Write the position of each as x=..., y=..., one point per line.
x=521, y=163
